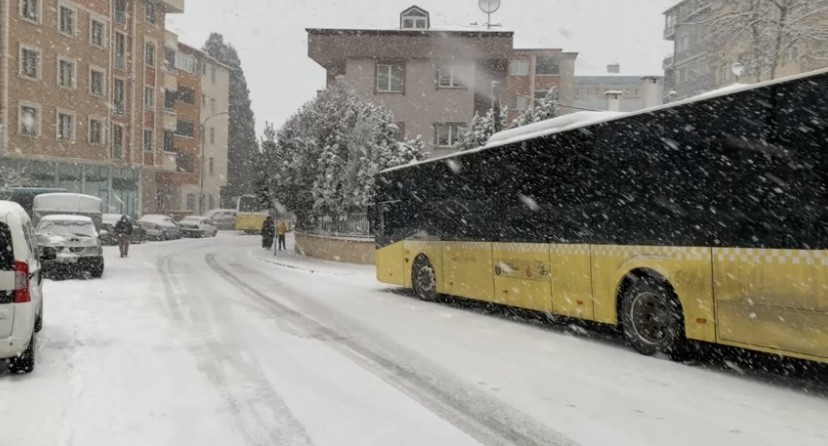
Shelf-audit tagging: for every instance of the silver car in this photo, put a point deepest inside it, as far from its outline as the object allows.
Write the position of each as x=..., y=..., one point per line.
x=72, y=244
x=160, y=227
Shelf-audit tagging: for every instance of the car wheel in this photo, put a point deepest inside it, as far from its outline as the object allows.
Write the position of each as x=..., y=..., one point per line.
x=25, y=362
x=651, y=317
x=39, y=321
x=424, y=279
x=97, y=268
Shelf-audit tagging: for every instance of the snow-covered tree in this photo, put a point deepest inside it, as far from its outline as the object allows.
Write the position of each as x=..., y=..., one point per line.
x=13, y=177
x=543, y=109
x=761, y=33
x=324, y=159
x=481, y=128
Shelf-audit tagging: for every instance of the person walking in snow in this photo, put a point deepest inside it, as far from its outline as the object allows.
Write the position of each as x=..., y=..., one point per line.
x=281, y=230
x=123, y=229
x=268, y=231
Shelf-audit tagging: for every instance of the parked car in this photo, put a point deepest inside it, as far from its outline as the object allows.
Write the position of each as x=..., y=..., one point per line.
x=21, y=295
x=224, y=219
x=107, y=235
x=71, y=244
x=195, y=226
x=160, y=227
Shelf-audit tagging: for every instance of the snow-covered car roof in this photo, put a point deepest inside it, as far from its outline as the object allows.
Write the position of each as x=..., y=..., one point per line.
x=154, y=217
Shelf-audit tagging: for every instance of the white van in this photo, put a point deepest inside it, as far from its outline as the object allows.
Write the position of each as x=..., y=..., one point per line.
x=63, y=203
x=21, y=296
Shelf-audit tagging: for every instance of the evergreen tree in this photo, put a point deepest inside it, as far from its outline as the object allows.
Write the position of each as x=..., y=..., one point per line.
x=325, y=158
x=545, y=108
x=242, y=148
x=481, y=128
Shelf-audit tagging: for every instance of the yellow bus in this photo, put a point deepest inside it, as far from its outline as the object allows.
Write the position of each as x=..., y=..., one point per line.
x=704, y=220
x=250, y=214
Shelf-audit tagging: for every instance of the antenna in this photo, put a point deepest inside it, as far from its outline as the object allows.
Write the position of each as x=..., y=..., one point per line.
x=489, y=7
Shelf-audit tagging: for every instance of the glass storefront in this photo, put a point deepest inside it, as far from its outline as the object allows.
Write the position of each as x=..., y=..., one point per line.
x=116, y=186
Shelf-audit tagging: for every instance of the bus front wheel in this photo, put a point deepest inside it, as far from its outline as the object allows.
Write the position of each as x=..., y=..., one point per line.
x=423, y=279
x=651, y=317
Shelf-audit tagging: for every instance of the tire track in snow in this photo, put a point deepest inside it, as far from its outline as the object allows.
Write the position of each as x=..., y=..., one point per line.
x=481, y=416
x=259, y=411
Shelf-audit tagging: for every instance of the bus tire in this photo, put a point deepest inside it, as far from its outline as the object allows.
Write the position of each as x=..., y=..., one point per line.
x=424, y=279
x=651, y=317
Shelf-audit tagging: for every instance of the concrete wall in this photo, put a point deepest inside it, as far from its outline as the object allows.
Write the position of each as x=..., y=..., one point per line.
x=215, y=86
x=340, y=249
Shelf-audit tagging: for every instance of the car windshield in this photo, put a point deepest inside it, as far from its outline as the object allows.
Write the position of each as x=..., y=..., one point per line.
x=82, y=228
x=467, y=222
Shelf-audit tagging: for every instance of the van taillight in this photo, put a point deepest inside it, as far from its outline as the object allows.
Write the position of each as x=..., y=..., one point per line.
x=21, y=283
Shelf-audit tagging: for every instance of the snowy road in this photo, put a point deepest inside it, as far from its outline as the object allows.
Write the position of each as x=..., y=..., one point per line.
x=217, y=342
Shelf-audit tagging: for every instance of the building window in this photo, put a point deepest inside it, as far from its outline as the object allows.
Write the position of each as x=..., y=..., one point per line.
x=30, y=63
x=169, y=141
x=149, y=8
x=96, y=82
x=792, y=54
x=212, y=135
x=448, y=76
x=414, y=18
x=97, y=33
x=66, y=126
x=186, y=95
x=30, y=10
x=521, y=103
x=120, y=11
x=186, y=62
x=119, y=56
x=185, y=128
x=191, y=202
x=29, y=120
x=149, y=98
x=390, y=78
x=95, y=131
x=212, y=165
x=66, y=73
x=149, y=54
x=66, y=21
x=117, y=141
x=547, y=66
x=213, y=74
x=169, y=59
x=148, y=142
x=519, y=68
x=447, y=135
x=212, y=105
x=118, y=95
x=169, y=99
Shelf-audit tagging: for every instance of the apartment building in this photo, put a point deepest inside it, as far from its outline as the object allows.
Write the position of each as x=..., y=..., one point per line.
x=627, y=93
x=81, y=85
x=533, y=72
x=434, y=80
x=703, y=59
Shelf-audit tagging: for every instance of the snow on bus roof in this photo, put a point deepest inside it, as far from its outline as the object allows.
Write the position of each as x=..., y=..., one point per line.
x=560, y=124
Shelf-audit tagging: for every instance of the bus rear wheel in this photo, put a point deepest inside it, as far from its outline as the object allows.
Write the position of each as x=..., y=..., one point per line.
x=651, y=318
x=424, y=280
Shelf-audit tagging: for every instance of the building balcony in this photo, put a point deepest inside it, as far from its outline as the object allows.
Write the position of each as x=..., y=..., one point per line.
x=170, y=119
x=173, y=6
x=670, y=33
x=169, y=161
x=667, y=63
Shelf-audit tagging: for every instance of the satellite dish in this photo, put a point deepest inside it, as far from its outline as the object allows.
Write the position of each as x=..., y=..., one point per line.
x=489, y=6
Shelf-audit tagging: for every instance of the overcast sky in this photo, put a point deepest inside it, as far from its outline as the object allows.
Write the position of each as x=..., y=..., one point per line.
x=272, y=43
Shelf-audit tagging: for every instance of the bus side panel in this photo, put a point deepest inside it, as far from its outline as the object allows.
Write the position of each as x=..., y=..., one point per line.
x=773, y=298
x=249, y=222
x=433, y=251
x=521, y=275
x=687, y=269
x=572, y=281
x=468, y=268
x=390, y=265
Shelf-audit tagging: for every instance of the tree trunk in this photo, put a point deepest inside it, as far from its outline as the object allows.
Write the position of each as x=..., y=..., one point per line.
x=777, y=44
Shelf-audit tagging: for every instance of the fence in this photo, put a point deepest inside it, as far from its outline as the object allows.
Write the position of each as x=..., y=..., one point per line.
x=350, y=225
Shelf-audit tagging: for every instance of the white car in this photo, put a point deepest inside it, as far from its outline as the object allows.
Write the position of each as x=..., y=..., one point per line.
x=71, y=243
x=195, y=226
x=160, y=227
x=222, y=218
x=21, y=295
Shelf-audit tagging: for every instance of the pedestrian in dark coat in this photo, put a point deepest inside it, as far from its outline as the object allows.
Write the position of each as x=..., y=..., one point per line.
x=268, y=232
x=123, y=229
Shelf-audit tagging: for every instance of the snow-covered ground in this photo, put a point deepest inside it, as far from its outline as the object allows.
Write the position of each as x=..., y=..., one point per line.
x=218, y=342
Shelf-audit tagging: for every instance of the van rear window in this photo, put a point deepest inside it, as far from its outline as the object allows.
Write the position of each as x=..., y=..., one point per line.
x=6, y=252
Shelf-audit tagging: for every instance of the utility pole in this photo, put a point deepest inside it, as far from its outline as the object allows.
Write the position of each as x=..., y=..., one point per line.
x=201, y=176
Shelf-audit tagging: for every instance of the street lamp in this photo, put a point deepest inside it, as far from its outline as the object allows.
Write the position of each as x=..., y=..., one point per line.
x=201, y=176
